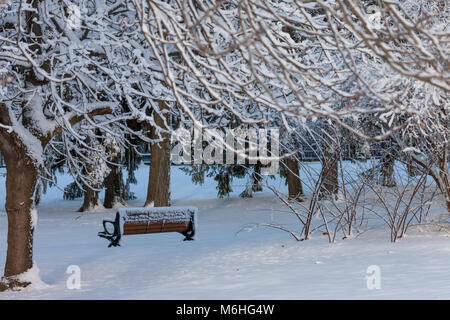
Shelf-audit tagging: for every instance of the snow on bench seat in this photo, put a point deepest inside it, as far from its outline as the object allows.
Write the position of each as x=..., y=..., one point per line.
x=131, y=221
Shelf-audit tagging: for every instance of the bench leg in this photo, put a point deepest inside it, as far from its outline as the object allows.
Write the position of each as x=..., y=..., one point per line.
x=190, y=233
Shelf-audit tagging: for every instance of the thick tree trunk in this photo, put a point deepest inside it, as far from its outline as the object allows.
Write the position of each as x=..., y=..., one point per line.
x=21, y=176
x=330, y=179
x=295, y=187
x=20, y=184
x=114, y=188
x=90, y=200
x=256, y=177
x=158, y=192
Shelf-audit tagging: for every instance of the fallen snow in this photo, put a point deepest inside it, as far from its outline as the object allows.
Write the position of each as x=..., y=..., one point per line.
x=173, y=214
x=225, y=262
x=34, y=218
x=32, y=276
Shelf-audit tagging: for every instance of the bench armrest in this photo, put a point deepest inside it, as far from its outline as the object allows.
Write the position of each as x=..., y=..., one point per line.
x=113, y=238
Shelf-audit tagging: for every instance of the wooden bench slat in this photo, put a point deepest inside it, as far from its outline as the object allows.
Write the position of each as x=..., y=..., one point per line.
x=173, y=228
x=165, y=231
x=155, y=227
x=134, y=232
x=160, y=227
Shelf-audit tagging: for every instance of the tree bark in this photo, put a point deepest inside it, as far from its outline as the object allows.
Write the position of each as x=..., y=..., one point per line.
x=413, y=170
x=158, y=192
x=256, y=177
x=90, y=196
x=330, y=179
x=387, y=171
x=114, y=187
x=295, y=186
x=90, y=199
x=21, y=177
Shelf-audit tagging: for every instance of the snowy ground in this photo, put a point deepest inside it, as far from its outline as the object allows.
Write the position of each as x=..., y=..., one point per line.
x=224, y=263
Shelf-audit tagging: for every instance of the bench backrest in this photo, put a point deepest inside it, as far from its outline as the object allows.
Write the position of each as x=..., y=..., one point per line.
x=154, y=214
x=131, y=221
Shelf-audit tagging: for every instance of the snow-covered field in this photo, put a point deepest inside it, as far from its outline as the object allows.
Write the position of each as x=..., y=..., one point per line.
x=224, y=263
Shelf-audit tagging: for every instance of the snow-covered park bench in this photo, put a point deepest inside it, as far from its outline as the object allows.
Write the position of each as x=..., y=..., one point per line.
x=131, y=221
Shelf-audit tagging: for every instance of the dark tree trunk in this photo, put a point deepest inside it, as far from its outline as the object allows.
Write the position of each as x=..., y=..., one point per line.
x=387, y=171
x=114, y=187
x=330, y=179
x=413, y=170
x=256, y=177
x=90, y=199
x=90, y=196
x=158, y=192
x=21, y=180
x=295, y=186
x=21, y=177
